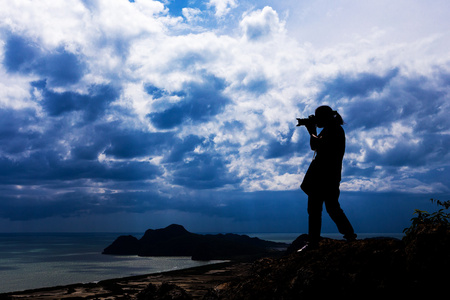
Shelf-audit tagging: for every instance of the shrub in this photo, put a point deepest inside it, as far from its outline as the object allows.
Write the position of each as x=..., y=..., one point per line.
x=437, y=218
x=427, y=245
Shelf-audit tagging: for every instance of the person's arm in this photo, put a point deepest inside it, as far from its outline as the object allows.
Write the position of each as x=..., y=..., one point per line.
x=314, y=139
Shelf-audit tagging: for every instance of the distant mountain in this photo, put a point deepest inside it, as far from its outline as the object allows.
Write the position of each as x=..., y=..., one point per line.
x=175, y=240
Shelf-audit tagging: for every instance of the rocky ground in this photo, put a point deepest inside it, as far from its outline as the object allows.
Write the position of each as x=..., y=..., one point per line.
x=415, y=268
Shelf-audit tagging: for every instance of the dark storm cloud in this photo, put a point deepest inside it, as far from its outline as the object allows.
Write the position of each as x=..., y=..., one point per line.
x=16, y=136
x=270, y=206
x=116, y=140
x=204, y=171
x=285, y=147
x=130, y=144
x=93, y=104
x=61, y=150
x=58, y=66
x=351, y=169
x=87, y=147
x=361, y=84
x=431, y=151
x=20, y=55
x=408, y=98
x=199, y=102
x=34, y=205
x=439, y=174
x=59, y=146
x=180, y=147
x=44, y=166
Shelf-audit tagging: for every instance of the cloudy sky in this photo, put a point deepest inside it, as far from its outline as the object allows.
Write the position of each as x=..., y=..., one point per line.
x=121, y=115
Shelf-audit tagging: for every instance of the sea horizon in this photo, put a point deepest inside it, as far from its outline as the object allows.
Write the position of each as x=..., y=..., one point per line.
x=31, y=260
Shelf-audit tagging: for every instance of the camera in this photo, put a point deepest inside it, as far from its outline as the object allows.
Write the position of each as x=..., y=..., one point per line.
x=310, y=121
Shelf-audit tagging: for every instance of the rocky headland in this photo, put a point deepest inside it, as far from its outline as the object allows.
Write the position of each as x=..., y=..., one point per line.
x=175, y=240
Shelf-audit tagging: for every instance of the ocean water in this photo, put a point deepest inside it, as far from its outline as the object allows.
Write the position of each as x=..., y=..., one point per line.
x=30, y=260
x=36, y=260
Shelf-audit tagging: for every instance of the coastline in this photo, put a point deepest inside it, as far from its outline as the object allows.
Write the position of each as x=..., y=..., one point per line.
x=196, y=280
x=39, y=260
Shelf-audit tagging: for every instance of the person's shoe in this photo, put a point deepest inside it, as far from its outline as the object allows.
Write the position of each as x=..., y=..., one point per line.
x=308, y=247
x=350, y=237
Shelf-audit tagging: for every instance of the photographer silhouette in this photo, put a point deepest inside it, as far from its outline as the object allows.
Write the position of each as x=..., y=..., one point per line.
x=323, y=177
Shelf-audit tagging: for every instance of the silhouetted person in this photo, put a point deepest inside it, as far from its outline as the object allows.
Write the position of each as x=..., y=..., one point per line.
x=322, y=180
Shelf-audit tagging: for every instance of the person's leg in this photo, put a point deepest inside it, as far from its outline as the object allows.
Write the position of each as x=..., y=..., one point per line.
x=315, y=205
x=338, y=216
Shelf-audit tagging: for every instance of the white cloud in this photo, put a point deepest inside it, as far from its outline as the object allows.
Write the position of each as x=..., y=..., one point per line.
x=38, y=20
x=191, y=14
x=15, y=92
x=261, y=24
x=222, y=7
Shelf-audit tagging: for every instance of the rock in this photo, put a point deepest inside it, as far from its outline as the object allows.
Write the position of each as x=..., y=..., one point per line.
x=173, y=240
x=161, y=235
x=123, y=245
x=298, y=243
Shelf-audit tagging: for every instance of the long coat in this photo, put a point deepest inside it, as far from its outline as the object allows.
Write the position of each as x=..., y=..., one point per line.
x=325, y=170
